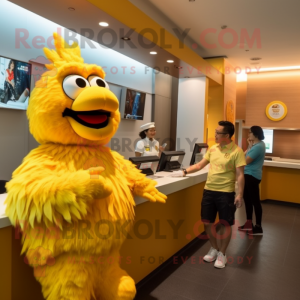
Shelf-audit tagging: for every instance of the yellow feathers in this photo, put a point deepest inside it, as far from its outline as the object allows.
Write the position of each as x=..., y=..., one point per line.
x=72, y=184
x=64, y=53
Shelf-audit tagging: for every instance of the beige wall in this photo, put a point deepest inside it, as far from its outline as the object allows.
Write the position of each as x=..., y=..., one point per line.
x=241, y=97
x=229, y=87
x=266, y=87
x=253, y=97
x=286, y=144
x=162, y=107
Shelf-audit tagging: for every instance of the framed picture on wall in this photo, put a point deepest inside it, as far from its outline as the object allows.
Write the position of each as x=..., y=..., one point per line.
x=15, y=77
x=132, y=104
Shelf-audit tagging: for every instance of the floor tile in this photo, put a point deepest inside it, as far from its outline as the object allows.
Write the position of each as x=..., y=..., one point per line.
x=162, y=294
x=261, y=267
x=292, y=259
x=198, y=276
x=289, y=287
x=236, y=294
x=186, y=288
x=283, y=210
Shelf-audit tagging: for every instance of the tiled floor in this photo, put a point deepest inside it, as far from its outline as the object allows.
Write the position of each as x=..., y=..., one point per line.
x=260, y=268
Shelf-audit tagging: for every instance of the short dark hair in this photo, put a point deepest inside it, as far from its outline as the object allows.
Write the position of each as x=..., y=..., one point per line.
x=142, y=134
x=228, y=127
x=258, y=132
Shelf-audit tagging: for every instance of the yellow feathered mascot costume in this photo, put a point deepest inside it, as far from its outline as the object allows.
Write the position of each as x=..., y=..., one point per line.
x=71, y=195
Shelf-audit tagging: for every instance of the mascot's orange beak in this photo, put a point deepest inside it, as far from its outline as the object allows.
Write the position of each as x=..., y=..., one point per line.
x=92, y=113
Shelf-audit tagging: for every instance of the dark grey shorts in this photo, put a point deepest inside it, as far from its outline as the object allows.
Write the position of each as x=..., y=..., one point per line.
x=214, y=202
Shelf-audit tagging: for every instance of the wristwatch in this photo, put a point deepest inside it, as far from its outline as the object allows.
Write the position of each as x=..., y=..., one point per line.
x=184, y=171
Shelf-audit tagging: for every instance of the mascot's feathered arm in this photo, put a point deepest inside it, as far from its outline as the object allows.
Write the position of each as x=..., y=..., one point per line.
x=140, y=185
x=145, y=188
x=39, y=192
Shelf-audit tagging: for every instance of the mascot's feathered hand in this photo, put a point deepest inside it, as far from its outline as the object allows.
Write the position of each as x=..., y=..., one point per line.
x=72, y=183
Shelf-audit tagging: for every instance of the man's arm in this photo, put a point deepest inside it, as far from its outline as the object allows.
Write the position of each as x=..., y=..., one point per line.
x=191, y=169
x=241, y=184
x=197, y=167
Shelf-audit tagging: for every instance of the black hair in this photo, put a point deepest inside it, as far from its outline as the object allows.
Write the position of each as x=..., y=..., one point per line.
x=142, y=134
x=11, y=62
x=228, y=127
x=258, y=132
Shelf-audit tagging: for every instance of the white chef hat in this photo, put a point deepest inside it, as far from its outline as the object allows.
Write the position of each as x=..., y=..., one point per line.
x=147, y=126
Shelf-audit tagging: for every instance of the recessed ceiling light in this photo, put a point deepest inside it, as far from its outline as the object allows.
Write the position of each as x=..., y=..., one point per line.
x=170, y=61
x=224, y=27
x=125, y=38
x=255, y=58
x=153, y=52
x=71, y=8
x=103, y=24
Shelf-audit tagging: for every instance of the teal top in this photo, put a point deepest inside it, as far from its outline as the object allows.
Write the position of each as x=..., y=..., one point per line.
x=257, y=153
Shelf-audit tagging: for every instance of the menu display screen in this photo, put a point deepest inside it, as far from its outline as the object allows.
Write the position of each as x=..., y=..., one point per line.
x=268, y=133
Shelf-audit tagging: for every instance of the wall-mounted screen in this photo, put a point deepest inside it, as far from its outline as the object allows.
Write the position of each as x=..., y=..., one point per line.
x=14, y=83
x=132, y=104
x=268, y=133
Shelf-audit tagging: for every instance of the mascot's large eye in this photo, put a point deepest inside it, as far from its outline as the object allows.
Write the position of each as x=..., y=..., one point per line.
x=98, y=81
x=73, y=85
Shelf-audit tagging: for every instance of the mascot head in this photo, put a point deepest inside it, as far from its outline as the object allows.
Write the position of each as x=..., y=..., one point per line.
x=76, y=104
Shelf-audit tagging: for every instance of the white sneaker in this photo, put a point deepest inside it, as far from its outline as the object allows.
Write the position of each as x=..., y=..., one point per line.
x=220, y=261
x=211, y=255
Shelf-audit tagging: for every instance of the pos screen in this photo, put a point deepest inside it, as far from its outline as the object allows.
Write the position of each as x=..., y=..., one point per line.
x=170, y=160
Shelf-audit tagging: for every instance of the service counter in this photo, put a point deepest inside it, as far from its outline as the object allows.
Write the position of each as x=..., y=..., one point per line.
x=159, y=231
x=281, y=180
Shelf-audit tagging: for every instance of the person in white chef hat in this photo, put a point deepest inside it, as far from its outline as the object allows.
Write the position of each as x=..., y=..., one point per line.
x=148, y=146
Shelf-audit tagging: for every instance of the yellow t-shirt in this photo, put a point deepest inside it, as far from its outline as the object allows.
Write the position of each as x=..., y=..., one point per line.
x=223, y=161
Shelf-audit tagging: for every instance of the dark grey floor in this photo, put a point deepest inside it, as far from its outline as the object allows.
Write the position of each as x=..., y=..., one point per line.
x=272, y=274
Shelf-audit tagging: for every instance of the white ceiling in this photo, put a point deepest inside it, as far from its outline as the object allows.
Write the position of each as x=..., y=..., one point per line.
x=277, y=21
x=87, y=16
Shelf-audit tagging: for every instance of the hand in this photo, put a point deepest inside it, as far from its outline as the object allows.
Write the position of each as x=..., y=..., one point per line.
x=250, y=142
x=161, y=149
x=155, y=196
x=178, y=173
x=238, y=201
x=146, y=189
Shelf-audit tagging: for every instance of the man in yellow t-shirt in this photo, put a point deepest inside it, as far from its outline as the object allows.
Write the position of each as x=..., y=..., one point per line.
x=227, y=162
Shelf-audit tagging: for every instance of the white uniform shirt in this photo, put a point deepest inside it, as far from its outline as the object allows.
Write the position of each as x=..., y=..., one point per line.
x=147, y=147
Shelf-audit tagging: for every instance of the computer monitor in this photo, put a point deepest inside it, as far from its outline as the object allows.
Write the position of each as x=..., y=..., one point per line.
x=198, y=153
x=170, y=160
x=147, y=164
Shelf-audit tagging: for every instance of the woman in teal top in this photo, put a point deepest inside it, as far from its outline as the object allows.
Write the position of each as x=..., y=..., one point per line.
x=255, y=155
